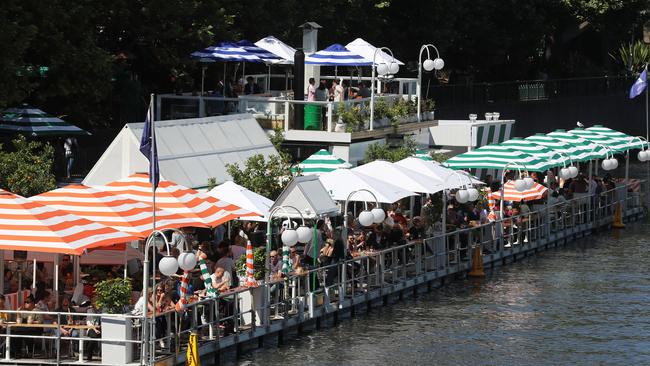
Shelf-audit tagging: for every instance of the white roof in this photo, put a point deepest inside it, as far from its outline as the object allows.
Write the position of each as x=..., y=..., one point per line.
x=451, y=179
x=189, y=150
x=341, y=182
x=307, y=195
x=365, y=49
x=232, y=192
x=277, y=47
x=401, y=176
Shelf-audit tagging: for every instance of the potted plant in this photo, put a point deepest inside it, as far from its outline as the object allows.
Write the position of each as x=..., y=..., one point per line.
x=381, y=113
x=113, y=297
x=428, y=105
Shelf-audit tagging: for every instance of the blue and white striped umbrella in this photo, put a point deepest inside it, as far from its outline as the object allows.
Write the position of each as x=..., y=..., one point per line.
x=225, y=51
x=266, y=56
x=336, y=55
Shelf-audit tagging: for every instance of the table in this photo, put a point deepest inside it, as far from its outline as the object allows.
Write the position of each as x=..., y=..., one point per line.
x=11, y=325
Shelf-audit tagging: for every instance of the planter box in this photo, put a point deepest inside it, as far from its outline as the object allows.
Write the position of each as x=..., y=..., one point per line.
x=116, y=353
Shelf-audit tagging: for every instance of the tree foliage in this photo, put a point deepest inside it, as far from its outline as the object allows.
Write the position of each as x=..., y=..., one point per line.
x=267, y=177
x=27, y=170
x=383, y=151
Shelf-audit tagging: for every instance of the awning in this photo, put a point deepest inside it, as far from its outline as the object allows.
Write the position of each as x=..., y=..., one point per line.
x=32, y=121
x=266, y=56
x=536, y=150
x=577, y=153
x=178, y=199
x=336, y=55
x=115, y=211
x=497, y=157
x=31, y=226
x=626, y=141
x=225, y=52
x=593, y=151
x=365, y=49
x=612, y=144
x=320, y=162
x=277, y=47
x=398, y=175
x=452, y=178
x=341, y=182
x=243, y=198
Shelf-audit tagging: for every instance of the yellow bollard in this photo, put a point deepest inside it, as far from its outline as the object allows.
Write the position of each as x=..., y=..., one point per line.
x=618, y=217
x=192, y=351
x=477, y=263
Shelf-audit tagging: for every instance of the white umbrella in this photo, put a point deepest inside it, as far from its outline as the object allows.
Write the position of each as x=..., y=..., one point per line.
x=401, y=176
x=341, y=182
x=437, y=171
x=277, y=47
x=365, y=49
x=237, y=195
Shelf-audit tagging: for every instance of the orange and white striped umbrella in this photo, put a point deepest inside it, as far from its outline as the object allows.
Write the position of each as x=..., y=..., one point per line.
x=250, y=266
x=107, y=208
x=29, y=225
x=512, y=194
x=177, y=199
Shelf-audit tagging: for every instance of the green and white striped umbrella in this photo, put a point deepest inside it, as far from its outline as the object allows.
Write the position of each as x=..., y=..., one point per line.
x=595, y=151
x=496, y=157
x=536, y=150
x=35, y=122
x=629, y=142
x=613, y=145
x=577, y=153
x=320, y=162
x=422, y=154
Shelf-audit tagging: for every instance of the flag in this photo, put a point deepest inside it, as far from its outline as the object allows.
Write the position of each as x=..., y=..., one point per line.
x=640, y=84
x=148, y=139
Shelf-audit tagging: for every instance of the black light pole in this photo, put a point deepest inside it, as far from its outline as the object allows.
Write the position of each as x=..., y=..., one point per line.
x=298, y=89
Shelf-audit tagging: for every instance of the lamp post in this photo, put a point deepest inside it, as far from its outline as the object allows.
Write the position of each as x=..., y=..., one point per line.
x=428, y=65
x=168, y=265
x=366, y=217
x=289, y=237
x=384, y=70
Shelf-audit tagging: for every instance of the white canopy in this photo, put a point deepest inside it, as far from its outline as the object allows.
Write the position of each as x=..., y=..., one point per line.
x=233, y=193
x=277, y=47
x=365, y=49
x=341, y=182
x=401, y=176
x=436, y=171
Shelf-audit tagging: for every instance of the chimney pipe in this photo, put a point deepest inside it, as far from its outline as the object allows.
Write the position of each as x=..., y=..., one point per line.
x=298, y=89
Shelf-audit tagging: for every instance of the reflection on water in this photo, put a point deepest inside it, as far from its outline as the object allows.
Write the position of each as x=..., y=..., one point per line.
x=586, y=304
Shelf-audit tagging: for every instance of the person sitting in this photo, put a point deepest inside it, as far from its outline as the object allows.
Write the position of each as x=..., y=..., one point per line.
x=399, y=218
x=251, y=86
x=221, y=279
x=377, y=240
x=26, y=315
x=63, y=331
x=364, y=91
x=416, y=232
x=294, y=257
x=276, y=263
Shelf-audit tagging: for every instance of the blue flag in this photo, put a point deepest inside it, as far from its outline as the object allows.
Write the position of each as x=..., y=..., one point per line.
x=640, y=84
x=146, y=142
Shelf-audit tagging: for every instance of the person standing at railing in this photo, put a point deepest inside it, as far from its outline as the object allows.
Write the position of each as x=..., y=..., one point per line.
x=311, y=90
x=364, y=91
x=336, y=92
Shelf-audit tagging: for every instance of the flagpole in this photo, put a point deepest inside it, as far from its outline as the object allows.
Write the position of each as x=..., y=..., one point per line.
x=152, y=178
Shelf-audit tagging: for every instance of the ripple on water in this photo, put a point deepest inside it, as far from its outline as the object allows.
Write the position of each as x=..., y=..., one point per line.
x=586, y=304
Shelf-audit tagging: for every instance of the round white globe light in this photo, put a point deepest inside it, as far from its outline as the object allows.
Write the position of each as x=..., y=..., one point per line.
x=520, y=185
x=614, y=163
x=462, y=196
x=382, y=69
x=642, y=156
x=573, y=171
x=473, y=194
x=530, y=182
x=168, y=265
x=289, y=237
x=304, y=234
x=366, y=218
x=565, y=173
x=378, y=214
x=438, y=63
x=606, y=164
x=187, y=261
x=428, y=65
x=646, y=155
x=393, y=68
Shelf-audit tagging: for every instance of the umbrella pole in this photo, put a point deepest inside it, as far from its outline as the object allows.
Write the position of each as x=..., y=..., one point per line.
x=224, y=79
x=202, y=80
x=268, y=81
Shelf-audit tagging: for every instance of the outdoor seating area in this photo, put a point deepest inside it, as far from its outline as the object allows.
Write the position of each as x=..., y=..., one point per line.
x=86, y=277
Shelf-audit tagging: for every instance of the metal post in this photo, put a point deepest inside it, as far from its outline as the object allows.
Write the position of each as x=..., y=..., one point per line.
x=329, y=116
x=372, y=93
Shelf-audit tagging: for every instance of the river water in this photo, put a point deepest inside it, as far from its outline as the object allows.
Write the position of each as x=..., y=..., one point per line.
x=584, y=304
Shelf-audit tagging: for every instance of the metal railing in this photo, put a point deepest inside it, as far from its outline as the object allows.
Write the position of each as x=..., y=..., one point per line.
x=242, y=313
